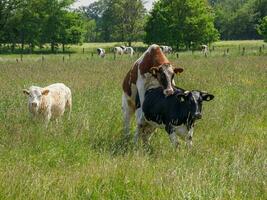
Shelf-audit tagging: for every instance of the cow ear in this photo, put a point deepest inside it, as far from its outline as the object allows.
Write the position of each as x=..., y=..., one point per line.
x=178, y=70
x=206, y=96
x=45, y=92
x=26, y=91
x=154, y=70
x=182, y=97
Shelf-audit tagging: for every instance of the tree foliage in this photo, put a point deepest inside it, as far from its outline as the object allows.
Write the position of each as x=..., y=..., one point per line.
x=262, y=28
x=37, y=22
x=238, y=19
x=117, y=20
x=181, y=23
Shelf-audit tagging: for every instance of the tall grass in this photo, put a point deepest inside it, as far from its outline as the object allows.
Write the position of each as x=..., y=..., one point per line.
x=88, y=158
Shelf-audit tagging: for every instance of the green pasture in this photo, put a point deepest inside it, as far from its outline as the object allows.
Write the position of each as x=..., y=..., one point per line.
x=88, y=157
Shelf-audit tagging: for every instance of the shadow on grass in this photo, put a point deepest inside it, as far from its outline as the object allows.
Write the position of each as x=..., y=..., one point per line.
x=120, y=145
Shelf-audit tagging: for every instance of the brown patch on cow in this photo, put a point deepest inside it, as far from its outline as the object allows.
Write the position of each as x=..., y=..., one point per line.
x=152, y=58
x=131, y=105
x=43, y=105
x=130, y=78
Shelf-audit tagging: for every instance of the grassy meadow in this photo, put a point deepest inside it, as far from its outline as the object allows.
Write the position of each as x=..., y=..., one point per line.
x=88, y=157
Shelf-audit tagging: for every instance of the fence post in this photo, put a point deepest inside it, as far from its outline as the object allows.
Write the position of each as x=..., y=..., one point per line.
x=21, y=57
x=177, y=55
x=114, y=56
x=69, y=56
x=227, y=51
x=83, y=50
x=42, y=58
x=213, y=48
x=63, y=58
x=92, y=54
x=260, y=50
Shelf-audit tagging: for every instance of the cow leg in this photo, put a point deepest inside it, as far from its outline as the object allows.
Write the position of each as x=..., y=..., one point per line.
x=47, y=118
x=189, y=137
x=172, y=135
x=139, y=123
x=127, y=114
x=144, y=130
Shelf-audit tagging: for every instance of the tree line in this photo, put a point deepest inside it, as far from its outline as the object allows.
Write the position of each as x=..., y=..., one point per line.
x=178, y=23
x=40, y=22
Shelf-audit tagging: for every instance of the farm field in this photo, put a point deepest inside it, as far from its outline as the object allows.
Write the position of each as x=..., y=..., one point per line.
x=88, y=157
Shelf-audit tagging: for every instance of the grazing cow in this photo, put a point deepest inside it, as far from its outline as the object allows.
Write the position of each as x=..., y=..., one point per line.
x=153, y=69
x=49, y=102
x=204, y=49
x=118, y=50
x=128, y=50
x=123, y=47
x=166, y=49
x=101, y=52
x=176, y=113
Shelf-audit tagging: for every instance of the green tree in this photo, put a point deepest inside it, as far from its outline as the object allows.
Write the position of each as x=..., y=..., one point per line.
x=239, y=19
x=71, y=29
x=262, y=28
x=117, y=20
x=181, y=23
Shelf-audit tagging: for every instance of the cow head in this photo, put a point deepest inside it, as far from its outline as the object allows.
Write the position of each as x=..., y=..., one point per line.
x=165, y=74
x=194, y=101
x=35, y=95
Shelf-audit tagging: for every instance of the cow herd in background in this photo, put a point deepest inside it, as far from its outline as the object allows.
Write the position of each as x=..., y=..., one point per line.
x=120, y=50
x=149, y=92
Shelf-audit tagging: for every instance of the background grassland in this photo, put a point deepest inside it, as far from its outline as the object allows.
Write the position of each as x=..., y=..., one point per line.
x=88, y=158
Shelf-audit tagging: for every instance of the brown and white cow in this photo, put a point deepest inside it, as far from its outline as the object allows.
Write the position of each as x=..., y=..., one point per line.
x=153, y=69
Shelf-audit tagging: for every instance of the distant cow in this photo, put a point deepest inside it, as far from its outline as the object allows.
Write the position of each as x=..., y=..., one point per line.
x=153, y=69
x=176, y=113
x=127, y=50
x=49, y=102
x=118, y=50
x=101, y=52
x=166, y=49
x=204, y=49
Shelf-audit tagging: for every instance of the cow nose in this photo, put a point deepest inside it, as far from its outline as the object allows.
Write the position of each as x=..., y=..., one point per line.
x=168, y=92
x=34, y=104
x=198, y=115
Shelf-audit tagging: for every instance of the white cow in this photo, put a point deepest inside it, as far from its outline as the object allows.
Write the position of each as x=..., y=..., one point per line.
x=166, y=49
x=101, y=52
x=129, y=50
x=204, y=49
x=49, y=102
x=118, y=50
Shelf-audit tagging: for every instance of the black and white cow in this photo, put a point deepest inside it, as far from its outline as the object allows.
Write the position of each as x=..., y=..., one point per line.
x=166, y=49
x=176, y=113
x=101, y=52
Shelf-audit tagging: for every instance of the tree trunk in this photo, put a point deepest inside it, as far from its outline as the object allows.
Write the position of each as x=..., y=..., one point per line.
x=130, y=43
x=22, y=46
x=32, y=47
x=13, y=47
x=52, y=46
